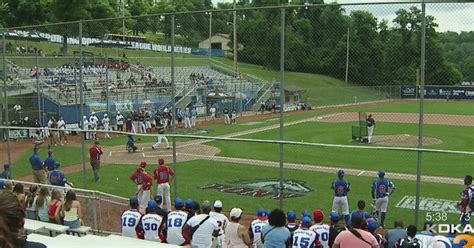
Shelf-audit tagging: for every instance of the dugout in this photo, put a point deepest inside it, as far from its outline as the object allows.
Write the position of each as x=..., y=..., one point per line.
x=360, y=132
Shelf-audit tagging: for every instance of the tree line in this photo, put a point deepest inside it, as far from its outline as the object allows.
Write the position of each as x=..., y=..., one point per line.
x=382, y=52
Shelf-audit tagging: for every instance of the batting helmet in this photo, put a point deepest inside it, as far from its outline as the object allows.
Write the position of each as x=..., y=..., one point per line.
x=143, y=165
x=161, y=161
x=340, y=173
x=381, y=173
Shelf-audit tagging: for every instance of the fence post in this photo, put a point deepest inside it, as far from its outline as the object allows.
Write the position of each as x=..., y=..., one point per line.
x=420, y=122
x=5, y=95
x=173, y=106
x=38, y=88
x=94, y=208
x=282, y=98
x=107, y=83
x=81, y=85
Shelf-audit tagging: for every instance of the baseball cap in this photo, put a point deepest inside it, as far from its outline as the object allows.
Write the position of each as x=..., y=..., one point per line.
x=143, y=165
x=341, y=173
x=334, y=216
x=381, y=173
x=134, y=201
x=158, y=199
x=206, y=206
x=56, y=165
x=189, y=203
x=161, y=161
x=236, y=212
x=262, y=214
x=372, y=224
x=152, y=204
x=217, y=204
x=306, y=214
x=306, y=221
x=6, y=166
x=178, y=202
x=291, y=215
x=318, y=215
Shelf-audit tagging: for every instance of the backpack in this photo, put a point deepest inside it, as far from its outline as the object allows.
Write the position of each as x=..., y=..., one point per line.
x=414, y=243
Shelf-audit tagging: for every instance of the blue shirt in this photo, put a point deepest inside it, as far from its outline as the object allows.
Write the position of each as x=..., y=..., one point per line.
x=49, y=163
x=394, y=235
x=36, y=163
x=381, y=187
x=193, y=112
x=57, y=178
x=130, y=142
x=6, y=175
x=275, y=238
x=341, y=187
x=362, y=214
x=2, y=184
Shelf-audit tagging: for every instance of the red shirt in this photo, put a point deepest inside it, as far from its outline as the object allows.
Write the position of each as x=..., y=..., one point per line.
x=95, y=152
x=137, y=176
x=147, y=182
x=163, y=174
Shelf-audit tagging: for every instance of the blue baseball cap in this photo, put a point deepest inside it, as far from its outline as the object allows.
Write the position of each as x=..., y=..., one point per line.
x=334, y=216
x=306, y=214
x=134, y=201
x=262, y=213
x=306, y=221
x=341, y=173
x=189, y=203
x=56, y=165
x=152, y=204
x=372, y=224
x=291, y=215
x=381, y=173
x=178, y=202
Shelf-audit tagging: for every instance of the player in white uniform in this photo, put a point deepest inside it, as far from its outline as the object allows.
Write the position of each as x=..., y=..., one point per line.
x=120, y=119
x=321, y=229
x=86, y=127
x=176, y=221
x=256, y=228
x=304, y=237
x=130, y=219
x=106, y=125
x=62, y=131
x=222, y=220
x=93, y=122
x=150, y=224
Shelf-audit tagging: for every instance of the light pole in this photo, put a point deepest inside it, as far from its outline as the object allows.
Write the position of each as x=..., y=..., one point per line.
x=235, y=39
x=347, y=57
x=122, y=6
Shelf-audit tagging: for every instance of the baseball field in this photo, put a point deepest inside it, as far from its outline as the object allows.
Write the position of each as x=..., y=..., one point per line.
x=243, y=173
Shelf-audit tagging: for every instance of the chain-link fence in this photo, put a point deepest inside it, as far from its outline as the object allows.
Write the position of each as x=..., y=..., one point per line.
x=296, y=82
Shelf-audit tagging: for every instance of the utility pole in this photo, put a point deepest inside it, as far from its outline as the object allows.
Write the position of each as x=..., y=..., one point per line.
x=235, y=39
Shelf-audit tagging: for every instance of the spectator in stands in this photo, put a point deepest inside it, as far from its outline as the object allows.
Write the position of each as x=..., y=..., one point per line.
x=40, y=203
x=409, y=240
x=12, y=219
x=31, y=212
x=39, y=172
x=276, y=234
x=19, y=192
x=236, y=234
x=372, y=226
x=54, y=207
x=334, y=228
x=355, y=237
x=71, y=210
x=393, y=235
x=57, y=178
x=221, y=219
x=6, y=172
x=200, y=229
x=130, y=219
x=361, y=211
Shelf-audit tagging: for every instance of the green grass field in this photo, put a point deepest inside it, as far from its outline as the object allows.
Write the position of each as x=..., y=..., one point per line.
x=194, y=175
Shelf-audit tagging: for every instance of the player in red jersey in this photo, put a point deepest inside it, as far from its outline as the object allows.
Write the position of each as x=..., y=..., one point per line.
x=163, y=176
x=144, y=191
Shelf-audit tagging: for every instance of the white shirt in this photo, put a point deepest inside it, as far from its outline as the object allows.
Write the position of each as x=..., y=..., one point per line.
x=106, y=121
x=257, y=226
x=323, y=233
x=61, y=124
x=303, y=238
x=438, y=240
x=203, y=235
x=221, y=219
x=151, y=223
x=213, y=110
x=425, y=238
x=130, y=219
x=93, y=121
x=120, y=119
x=176, y=220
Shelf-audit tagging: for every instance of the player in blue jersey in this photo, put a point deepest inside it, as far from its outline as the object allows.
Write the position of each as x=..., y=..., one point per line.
x=341, y=188
x=382, y=188
x=58, y=178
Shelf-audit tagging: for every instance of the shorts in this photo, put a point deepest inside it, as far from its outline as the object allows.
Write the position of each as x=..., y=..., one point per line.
x=73, y=224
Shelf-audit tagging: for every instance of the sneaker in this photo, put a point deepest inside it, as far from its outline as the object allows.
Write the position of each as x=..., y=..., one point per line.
x=152, y=147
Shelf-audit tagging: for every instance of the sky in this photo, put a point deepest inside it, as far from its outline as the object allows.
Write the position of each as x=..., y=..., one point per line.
x=449, y=16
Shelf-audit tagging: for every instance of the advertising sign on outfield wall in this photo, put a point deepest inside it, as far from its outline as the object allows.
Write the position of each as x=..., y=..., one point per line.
x=439, y=92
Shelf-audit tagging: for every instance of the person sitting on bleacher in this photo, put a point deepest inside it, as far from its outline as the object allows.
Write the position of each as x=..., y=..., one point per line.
x=57, y=178
x=151, y=224
x=71, y=210
x=40, y=203
x=54, y=207
x=12, y=219
x=130, y=219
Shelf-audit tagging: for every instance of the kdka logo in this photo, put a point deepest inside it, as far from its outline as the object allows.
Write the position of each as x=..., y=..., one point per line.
x=267, y=188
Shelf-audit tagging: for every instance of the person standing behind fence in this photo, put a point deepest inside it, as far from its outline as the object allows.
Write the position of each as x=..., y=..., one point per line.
x=6, y=174
x=57, y=178
x=213, y=112
x=193, y=117
x=62, y=131
x=95, y=152
x=226, y=116
x=39, y=171
x=187, y=120
x=106, y=125
x=119, y=117
x=370, y=129
x=93, y=122
x=163, y=175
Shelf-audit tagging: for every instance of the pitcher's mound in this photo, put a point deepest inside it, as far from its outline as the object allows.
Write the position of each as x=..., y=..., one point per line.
x=405, y=140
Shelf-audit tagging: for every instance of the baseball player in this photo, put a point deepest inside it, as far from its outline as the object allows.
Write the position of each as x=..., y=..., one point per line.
x=130, y=146
x=130, y=219
x=161, y=135
x=141, y=122
x=233, y=116
x=321, y=229
x=226, y=116
x=93, y=122
x=58, y=178
x=255, y=230
x=62, y=131
x=467, y=201
x=187, y=121
x=370, y=129
x=213, y=112
x=135, y=122
x=193, y=117
x=341, y=187
x=150, y=225
x=381, y=190
x=176, y=220
x=163, y=175
x=137, y=176
x=222, y=221
x=143, y=192
x=106, y=125
x=304, y=237
x=120, y=119
x=292, y=225
x=86, y=127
